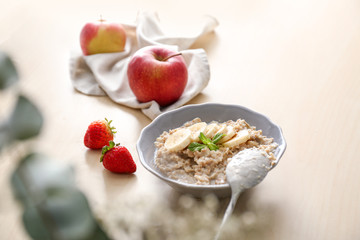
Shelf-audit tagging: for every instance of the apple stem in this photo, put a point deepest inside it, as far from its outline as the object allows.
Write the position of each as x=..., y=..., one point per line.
x=174, y=55
x=101, y=19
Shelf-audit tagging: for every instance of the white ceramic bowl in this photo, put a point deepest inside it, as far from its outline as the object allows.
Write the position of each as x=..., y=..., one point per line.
x=207, y=112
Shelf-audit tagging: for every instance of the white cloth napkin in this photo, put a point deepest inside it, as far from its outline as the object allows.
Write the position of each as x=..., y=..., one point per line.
x=106, y=74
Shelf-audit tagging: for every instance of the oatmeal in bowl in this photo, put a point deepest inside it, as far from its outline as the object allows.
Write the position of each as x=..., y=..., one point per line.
x=182, y=153
x=191, y=166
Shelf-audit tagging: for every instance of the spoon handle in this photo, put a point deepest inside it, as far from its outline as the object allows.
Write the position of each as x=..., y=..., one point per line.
x=228, y=212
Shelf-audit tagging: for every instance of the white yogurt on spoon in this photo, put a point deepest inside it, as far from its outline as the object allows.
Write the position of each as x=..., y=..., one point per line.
x=245, y=170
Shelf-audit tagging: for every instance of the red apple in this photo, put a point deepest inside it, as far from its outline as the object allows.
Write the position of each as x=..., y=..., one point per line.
x=102, y=37
x=157, y=73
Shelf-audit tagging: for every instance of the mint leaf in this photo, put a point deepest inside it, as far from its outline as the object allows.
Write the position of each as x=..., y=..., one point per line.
x=217, y=137
x=195, y=146
x=212, y=146
x=204, y=139
x=207, y=142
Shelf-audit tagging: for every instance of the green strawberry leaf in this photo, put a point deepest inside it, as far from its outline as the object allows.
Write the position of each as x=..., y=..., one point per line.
x=107, y=148
x=112, y=129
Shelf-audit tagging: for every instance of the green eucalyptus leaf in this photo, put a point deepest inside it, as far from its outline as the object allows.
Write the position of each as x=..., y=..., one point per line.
x=8, y=73
x=36, y=173
x=69, y=215
x=34, y=224
x=63, y=215
x=26, y=120
x=53, y=207
x=4, y=134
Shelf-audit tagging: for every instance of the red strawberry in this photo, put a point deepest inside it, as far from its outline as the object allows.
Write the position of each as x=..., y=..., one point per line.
x=98, y=134
x=117, y=159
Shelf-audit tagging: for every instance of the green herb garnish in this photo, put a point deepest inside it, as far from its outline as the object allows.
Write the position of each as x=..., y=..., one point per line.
x=206, y=142
x=195, y=146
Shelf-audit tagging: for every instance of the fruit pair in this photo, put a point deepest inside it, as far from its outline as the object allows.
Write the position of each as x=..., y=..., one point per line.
x=115, y=158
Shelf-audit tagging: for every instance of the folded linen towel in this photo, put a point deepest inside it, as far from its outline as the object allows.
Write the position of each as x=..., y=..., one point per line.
x=106, y=74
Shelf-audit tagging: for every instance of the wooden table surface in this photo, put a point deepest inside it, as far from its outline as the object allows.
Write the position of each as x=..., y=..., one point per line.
x=295, y=61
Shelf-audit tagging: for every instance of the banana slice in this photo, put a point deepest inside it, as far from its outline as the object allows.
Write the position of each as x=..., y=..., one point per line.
x=196, y=129
x=241, y=137
x=178, y=140
x=211, y=130
x=222, y=129
x=229, y=133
